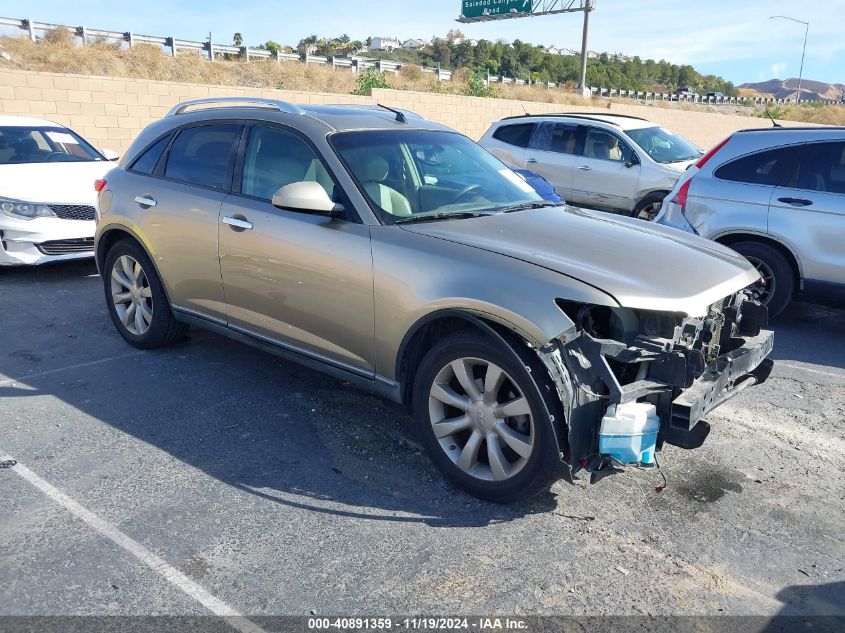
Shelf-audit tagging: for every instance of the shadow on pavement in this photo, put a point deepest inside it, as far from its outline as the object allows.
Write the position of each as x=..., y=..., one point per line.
x=810, y=333
x=262, y=425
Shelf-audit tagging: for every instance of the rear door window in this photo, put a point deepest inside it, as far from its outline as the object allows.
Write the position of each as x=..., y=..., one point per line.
x=202, y=155
x=823, y=168
x=518, y=134
x=555, y=137
x=772, y=167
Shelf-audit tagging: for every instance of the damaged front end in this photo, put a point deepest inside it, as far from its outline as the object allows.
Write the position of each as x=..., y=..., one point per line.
x=684, y=366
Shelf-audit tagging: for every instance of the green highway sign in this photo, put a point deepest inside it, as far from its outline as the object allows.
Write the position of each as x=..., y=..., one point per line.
x=494, y=8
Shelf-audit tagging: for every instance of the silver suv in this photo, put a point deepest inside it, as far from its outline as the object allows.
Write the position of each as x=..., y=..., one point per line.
x=611, y=162
x=777, y=196
x=398, y=255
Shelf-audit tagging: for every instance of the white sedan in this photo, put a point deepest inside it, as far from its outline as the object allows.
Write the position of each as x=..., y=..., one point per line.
x=47, y=195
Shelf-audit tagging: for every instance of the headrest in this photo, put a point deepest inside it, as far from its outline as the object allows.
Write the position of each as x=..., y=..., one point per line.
x=374, y=169
x=25, y=146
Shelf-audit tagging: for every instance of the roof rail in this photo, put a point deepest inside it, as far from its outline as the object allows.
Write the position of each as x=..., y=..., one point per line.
x=281, y=106
x=589, y=116
x=624, y=116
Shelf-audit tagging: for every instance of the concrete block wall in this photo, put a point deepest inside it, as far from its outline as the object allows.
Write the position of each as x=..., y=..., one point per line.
x=110, y=111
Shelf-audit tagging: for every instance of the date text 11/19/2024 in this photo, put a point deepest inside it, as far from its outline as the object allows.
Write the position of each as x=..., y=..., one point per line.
x=416, y=624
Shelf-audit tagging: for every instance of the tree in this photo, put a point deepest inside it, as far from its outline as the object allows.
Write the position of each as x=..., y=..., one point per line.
x=305, y=42
x=238, y=39
x=270, y=45
x=441, y=52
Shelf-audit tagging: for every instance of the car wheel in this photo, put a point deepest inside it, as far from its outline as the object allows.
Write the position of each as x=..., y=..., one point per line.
x=648, y=208
x=483, y=421
x=777, y=285
x=136, y=300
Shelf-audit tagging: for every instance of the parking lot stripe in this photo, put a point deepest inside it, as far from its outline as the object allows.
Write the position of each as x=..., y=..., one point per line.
x=157, y=564
x=10, y=381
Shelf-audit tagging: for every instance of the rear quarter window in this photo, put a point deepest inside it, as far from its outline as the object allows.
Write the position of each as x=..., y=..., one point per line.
x=518, y=134
x=770, y=167
x=147, y=161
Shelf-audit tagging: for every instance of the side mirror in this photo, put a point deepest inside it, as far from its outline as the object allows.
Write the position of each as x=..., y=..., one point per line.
x=111, y=155
x=307, y=196
x=633, y=159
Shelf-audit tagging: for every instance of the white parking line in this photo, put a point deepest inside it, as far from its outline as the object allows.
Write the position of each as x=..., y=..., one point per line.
x=10, y=381
x=157, y=564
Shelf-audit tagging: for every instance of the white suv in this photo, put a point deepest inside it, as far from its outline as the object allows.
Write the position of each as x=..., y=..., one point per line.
x=611, y=162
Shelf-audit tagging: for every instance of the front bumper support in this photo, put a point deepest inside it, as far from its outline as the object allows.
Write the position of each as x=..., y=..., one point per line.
x=677, y=381
x=724, y=378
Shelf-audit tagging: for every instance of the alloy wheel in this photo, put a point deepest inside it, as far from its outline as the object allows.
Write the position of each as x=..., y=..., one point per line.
x=481, y=419
x=132, y=295
x=650, y=211
x=764, y=289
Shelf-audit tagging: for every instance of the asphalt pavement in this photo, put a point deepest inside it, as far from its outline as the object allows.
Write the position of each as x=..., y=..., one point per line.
x=246, y=482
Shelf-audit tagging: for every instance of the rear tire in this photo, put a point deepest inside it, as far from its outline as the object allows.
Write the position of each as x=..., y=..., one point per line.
x=778, y=285
x=136, y=300
x=494, y=438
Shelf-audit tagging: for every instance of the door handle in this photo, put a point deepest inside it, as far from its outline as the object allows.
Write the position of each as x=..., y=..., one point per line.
x=237, y=223
x=531, y=160
x=585, y=168
x=145, y=201
x=798, y=202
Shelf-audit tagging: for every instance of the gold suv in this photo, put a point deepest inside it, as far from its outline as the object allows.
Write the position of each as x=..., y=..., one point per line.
x=397, y=254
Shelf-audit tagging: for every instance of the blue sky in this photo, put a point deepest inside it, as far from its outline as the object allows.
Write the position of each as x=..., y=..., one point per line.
x=725, y=37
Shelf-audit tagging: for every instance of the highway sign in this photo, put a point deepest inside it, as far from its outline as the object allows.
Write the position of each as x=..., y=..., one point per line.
x=493, y=8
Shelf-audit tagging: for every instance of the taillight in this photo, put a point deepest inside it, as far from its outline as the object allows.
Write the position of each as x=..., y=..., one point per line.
x=99, y=185
x=709, y=155
x=681, y=197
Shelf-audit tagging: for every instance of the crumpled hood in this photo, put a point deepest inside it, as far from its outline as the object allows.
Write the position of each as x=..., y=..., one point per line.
x=640, y=264
x=53, y=183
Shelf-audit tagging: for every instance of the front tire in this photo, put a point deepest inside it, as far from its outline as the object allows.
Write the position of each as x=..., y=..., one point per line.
x=136, y=300
x=649, y=206
x=778, y=284
x=484, y=423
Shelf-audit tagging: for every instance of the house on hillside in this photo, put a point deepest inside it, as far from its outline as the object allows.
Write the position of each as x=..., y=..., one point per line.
x=552, y=50
x=384, y=44
x=414, y=44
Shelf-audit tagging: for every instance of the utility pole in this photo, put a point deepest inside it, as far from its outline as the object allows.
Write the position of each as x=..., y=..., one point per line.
x=582, y=81
x=803, y=50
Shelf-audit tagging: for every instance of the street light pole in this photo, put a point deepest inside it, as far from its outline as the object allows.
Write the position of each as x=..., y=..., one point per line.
x=803, y=50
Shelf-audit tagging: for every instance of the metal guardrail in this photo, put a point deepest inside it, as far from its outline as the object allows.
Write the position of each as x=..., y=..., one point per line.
x=173, y=45
x=356, y=64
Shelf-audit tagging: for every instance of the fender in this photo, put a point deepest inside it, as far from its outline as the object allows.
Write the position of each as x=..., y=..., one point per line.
x=99, y=255
x=509, y=338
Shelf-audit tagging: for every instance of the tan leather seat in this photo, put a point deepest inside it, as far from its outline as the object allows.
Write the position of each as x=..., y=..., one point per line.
x=372, y=174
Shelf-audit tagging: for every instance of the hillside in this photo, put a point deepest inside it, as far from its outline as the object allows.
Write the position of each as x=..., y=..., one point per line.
x=786, y=88
x=524, y=60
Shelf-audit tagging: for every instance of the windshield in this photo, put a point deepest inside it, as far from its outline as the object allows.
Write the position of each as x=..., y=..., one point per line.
x=664, y=146
x=408, y=174
x=20, y=144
